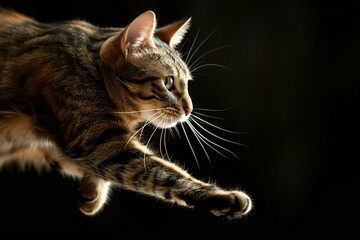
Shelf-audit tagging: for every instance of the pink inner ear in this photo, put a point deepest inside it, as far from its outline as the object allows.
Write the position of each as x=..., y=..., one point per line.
x=141, y=30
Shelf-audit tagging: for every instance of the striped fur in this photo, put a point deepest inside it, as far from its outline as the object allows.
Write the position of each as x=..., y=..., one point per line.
x=73, y=95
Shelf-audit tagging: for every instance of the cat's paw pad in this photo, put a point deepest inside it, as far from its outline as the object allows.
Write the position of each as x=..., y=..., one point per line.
x=230, y=205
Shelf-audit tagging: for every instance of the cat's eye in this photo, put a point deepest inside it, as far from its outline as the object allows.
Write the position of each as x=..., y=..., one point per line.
x=168, y=82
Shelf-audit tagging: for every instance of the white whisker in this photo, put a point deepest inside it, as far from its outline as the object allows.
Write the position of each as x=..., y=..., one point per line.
x=207, y=53
x=165, y=145
x=139, y=111
x=224, y=139
x=206, y=115
x=177, y=131
x=188, y=140
x=213, y=110
x=193, y=130
x=197, y=67
x=161, y=137
x=147, y=144
x=172, y=132
x=213, y=125
x=205, y=139
x=188, y=53
x=124, y=82
x=147, y=122
x=198, y=47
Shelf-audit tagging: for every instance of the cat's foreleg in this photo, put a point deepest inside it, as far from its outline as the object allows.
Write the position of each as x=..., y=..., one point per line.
x=151, y=175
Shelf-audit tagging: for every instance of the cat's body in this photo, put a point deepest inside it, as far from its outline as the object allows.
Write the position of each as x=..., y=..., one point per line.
x=73, y=95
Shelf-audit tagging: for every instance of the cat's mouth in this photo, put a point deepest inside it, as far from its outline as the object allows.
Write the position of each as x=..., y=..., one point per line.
x=167, y=118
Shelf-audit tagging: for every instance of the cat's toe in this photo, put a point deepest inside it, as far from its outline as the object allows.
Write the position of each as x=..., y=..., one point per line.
x=243, y=204
x=89, y=207
x=231, y=205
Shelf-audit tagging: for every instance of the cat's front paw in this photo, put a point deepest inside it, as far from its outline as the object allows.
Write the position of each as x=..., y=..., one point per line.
x=227, y=204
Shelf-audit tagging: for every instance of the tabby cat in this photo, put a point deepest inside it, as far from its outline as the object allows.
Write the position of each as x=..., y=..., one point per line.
x=74, y=95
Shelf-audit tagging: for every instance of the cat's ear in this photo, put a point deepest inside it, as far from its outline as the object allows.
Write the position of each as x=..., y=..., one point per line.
x=173, y=34
x=138, y=33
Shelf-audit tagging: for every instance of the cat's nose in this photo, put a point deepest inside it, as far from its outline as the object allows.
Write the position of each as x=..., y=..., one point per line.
x=187, y=104
x=187, y=110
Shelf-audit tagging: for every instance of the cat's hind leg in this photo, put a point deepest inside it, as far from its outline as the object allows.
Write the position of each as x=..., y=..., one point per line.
x=20, y=144
x=93, y=194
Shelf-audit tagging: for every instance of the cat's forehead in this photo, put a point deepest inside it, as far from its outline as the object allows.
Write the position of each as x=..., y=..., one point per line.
x=163, y=61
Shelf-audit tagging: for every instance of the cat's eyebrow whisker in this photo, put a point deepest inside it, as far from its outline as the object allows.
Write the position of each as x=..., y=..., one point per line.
x=207, y=53
x=208, y=141
x=197, y=67
x=198, y=47
x=188, y=140
x=192, y=46
x=213, y=125
x=193, y=130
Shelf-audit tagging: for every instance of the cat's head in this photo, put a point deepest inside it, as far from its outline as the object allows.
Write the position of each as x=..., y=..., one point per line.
x=147, y=68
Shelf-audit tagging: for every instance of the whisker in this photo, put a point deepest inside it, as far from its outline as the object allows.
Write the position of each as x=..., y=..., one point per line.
x=197, y=138
x=188, y=140
x=147, y=144
x=207, y=53
x=145, y=110
x=210, y=65
x=172, y=132
x=224, y=139
x=198, y=47
x=177, y=131
x=213, y=125
x=206, y=140
x=182, y=45
x=147, y=122
x=166, y=151
x=206, y=115
x=192, y=46
x=124, y=82
x=213, y=110
x=161, y=137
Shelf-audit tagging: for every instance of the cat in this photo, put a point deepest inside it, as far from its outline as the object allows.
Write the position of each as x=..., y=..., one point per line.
x=74, y=95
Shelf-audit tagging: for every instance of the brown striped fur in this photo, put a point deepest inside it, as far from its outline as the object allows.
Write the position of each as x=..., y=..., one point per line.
x=73, y=95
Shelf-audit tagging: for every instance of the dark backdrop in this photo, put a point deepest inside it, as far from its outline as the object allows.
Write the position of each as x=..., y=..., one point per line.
x=291, y=88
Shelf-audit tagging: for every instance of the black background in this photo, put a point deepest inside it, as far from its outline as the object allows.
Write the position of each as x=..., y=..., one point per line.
x=293, y=92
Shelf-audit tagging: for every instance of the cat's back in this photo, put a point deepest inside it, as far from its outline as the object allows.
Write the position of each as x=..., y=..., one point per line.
x=16, y=28
x=9, y=17
x=32, y=51
x=10, y=20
